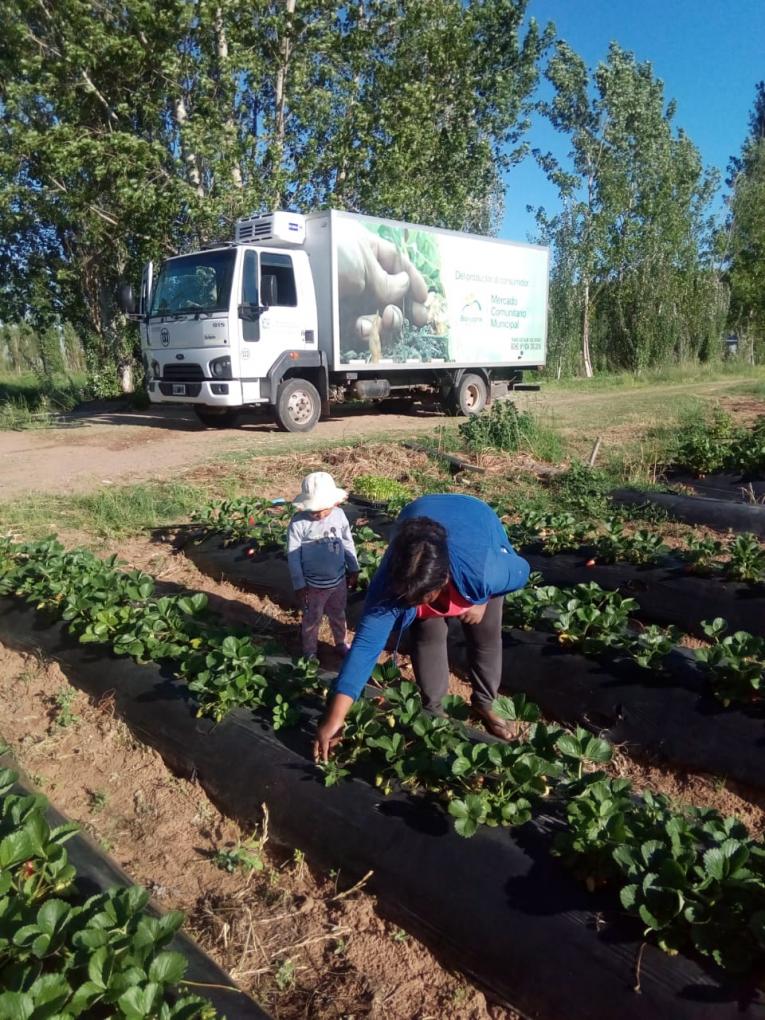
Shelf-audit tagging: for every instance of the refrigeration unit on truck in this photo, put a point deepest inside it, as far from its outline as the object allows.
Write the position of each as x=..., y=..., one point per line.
x=299, y=311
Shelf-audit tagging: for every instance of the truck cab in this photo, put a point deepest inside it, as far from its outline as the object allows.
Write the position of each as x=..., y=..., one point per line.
x=226, y=327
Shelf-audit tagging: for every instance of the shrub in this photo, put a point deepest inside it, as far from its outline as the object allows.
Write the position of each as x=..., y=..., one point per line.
x=706, y=443
x=503, y=427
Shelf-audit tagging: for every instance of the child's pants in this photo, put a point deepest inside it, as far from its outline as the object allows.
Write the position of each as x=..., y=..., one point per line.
x=319, y=601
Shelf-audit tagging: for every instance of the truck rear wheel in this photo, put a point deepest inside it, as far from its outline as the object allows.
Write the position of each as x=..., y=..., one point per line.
x=467, y=397
x=218, y=418
x=298, y=406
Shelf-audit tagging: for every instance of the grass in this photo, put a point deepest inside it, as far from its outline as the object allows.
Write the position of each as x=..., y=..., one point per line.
x=667, y=376
x=28, y=401
x=117, y=512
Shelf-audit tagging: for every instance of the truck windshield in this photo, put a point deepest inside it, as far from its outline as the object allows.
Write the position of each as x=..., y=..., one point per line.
x=194, y=283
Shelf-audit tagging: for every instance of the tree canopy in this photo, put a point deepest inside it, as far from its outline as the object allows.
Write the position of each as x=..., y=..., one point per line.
x=130, y=130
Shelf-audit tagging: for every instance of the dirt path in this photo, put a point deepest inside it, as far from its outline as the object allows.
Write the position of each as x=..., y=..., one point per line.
x=111, y=445
x=124, y=446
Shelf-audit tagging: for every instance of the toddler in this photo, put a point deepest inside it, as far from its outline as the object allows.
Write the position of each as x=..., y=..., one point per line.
x=320, y=553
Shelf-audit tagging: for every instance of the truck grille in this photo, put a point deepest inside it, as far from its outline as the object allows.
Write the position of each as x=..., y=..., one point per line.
x=192, y=390
x=183, y=373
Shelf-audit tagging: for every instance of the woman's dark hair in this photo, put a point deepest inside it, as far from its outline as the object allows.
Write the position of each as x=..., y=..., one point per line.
x=418, y=560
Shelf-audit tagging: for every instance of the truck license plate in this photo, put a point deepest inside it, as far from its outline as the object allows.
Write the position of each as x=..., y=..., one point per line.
x=179, y=390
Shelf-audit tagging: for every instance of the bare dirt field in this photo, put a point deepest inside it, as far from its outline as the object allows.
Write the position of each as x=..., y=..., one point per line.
x=109, y=445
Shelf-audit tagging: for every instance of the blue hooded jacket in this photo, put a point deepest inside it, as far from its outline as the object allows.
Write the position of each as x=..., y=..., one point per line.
x=482, y=564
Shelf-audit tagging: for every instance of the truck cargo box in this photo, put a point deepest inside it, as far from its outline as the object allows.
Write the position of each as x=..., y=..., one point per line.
x=401, y=295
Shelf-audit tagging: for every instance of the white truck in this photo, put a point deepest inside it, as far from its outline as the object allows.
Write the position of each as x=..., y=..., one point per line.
x=299, y=311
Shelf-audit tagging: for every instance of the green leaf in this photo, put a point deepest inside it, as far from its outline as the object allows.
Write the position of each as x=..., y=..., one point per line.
x=167, y=968
x=16, y=1006
x=598, y=750
x=628, y=896
x=461, y=766
x=51, y=914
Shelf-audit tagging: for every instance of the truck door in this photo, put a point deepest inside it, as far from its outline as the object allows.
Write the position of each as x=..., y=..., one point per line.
x=269, y=283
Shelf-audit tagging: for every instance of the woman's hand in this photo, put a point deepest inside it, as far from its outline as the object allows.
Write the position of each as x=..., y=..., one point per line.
x=474, y=614
x=329, y=730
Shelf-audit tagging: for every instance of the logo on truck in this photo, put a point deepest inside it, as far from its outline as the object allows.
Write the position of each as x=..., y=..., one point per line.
x=164, y=336
x=471, y=310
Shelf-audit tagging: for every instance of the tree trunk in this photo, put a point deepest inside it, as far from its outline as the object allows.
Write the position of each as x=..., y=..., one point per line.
x=586, y=332
x=127, y=380
x=280, y=88
x=189, y=158
x=221, y=48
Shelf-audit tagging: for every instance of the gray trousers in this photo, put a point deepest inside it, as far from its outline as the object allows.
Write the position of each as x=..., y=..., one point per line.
x=484, y=656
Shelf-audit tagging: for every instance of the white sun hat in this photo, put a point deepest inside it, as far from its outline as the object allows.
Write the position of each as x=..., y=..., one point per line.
x=319, y=492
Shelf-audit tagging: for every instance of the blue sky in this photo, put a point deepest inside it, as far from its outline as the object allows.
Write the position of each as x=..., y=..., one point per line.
x=709, y=53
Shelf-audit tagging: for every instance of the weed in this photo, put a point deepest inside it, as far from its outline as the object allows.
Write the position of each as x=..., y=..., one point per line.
x=247, y=855
x=62, y=706
x=97, y=800
x=298, y=863
x=285, y=975
x=399, y=935
x=114, y=512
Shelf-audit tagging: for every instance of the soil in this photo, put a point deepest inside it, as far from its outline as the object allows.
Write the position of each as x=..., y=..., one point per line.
x=294, y=938
x=118, y=446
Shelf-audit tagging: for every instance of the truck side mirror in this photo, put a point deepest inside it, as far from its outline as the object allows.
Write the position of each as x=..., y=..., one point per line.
x=126, y=299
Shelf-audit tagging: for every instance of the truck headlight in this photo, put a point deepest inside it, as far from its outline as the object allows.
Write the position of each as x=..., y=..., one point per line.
x=220, y=368
x=156, y=371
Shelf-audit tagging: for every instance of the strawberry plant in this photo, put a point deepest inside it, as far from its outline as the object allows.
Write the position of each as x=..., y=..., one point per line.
x=258, y=521
x=370, y=549
x=594, y=620
x=702, y=554
x=652, y=644
x=641, y=547
x=735, y=662
x=747, y=559
x=63, y=956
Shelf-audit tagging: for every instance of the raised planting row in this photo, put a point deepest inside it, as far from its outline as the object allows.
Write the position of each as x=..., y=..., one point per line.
x=707, y=578
x=720, y=514
x=741, y=559
x=64, y=953
x=694, y=880
x=599, y=623
x=589, y=619
x=630, y=683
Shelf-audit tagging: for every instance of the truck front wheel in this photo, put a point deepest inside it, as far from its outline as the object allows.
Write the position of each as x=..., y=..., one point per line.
x=467, y=397
x=298, y=406
x=218, y=418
